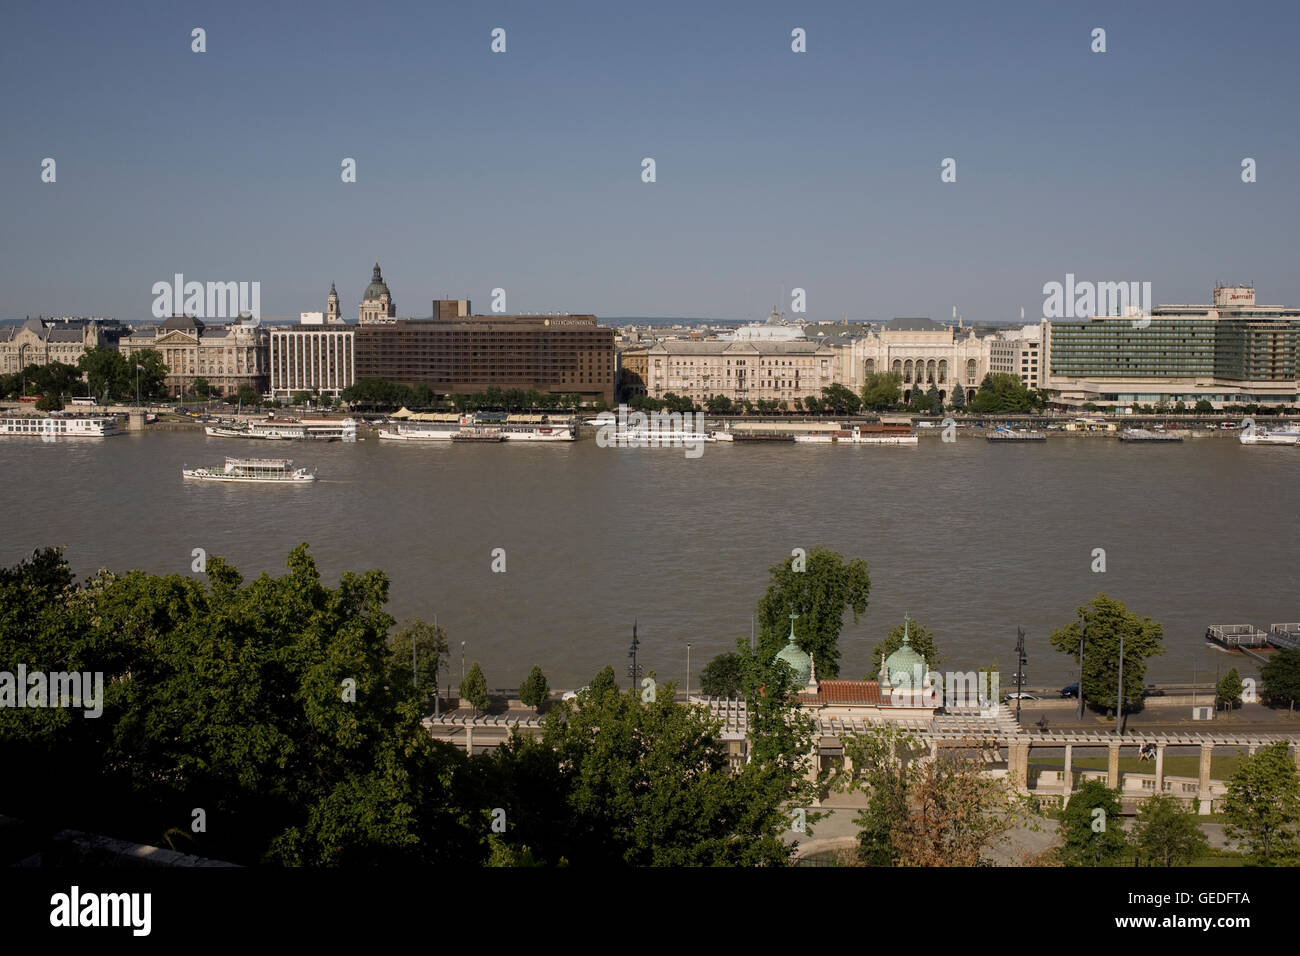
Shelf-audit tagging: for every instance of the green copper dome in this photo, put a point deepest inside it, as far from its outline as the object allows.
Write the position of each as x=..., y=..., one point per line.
x=901, y=665
x=799, y=661
x=377, y=285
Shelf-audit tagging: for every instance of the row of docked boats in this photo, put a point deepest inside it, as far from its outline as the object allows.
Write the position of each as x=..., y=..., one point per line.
x=288, y=429
x=479, y=427
x=1290, y=435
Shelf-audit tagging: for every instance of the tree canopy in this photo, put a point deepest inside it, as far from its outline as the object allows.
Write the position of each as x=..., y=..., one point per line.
x=819, y=595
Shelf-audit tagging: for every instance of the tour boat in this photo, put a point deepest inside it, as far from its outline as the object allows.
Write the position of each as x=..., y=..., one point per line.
x=277, y=470
x=61, y=426
x=510, y=428
x=1277, y=436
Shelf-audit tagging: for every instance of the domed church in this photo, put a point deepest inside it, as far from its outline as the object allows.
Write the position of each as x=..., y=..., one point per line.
x=377, y=304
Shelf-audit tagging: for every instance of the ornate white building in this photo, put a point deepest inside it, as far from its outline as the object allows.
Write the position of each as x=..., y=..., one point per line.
x=747, y=370
x=919, y=351
x=228, y=356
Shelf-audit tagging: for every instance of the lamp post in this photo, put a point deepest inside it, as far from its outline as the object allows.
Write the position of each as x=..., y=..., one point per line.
x=688, y=670
x=633, y=669
x=1119, y=696
x=1083, y=630
x=1021, y=661
x=462, y=665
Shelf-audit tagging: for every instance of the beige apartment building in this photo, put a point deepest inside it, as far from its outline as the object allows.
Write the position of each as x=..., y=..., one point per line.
x=748, y=370
x=1018, y=352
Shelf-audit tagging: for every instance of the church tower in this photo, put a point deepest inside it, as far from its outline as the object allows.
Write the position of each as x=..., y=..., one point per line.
x=377, y=304
x=332, y=316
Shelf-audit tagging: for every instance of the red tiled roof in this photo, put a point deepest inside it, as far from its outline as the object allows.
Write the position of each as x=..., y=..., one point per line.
x=849, y=692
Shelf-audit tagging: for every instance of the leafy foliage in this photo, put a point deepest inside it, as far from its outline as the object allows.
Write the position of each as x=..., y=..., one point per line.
x=820, y=595
x=919, y=639
x=1262, y=806
x=1281, y=677
x=882, y=391
x=721, y=677
x=1167, y=833
x=1004, y=392
x=1106, y=621
x=1229, y=688
x=1092, y=839
x=534, y=689
x=474, y=689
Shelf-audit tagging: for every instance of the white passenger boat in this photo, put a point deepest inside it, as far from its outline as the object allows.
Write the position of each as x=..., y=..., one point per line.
x=288, y=429
x=511, y=428
x=274, y=470
x=652, y=437
x=1277, y=436
x=61, y=426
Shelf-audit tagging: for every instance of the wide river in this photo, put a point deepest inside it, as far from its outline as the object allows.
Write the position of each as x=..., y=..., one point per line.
x=970, y=538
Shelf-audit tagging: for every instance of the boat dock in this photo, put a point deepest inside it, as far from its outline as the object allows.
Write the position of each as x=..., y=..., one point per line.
x=1236, y=636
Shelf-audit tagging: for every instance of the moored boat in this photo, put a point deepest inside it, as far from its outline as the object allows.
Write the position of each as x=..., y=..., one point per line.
x=61, y=426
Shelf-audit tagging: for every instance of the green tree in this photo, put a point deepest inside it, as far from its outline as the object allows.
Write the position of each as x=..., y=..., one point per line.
x=105, y=372
x=1230, y=688
x=265, y=703
x=430, y=646
x=534, y=689
x=920, y=812
x=721, y=677
x=839, y=400
x=1092, y=838
x=202, y=388
x=49, y=403
x=958, y=397
x=1281, y=677
x=1108, y=620
x=622, y=782
x=933, y=399
x=1167, y=833
x=1262, y=806
x=603, y=684
x=1203, y=407
x=1003, y=392
x=819, y=595
x=881, y=391
x=919, y=639
x=718, y=405
x=474, y=689
x=301, y=398
x=248, y=396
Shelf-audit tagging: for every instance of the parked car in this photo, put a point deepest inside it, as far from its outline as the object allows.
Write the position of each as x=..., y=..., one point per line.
x=1153, y=691
x=573, y=694
x=1014, y=695
x=1070, y=690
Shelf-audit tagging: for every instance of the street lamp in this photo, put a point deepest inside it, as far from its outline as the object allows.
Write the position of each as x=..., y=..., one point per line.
x=462, y=664
x=1021, y=661
x=1119, y=697
x=1083, y=630
x=634, y=670
x=688, y=670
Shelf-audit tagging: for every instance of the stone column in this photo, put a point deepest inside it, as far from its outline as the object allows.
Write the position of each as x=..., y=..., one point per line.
x=1112, y=766
x=1160, y=768
x=1018, y=764
x=1067, y=779
x=1207, y=751
x=814, y=762
x=469, y=739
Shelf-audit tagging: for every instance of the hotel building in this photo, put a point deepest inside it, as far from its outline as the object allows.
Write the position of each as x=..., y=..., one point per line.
x=1229, y=352
x=318, y=355
x=558, y=355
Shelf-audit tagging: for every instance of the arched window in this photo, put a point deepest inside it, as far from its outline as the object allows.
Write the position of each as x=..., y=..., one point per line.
x=929, y=370
x=907, y=371
x=870, y=367
x=898, y=367
x=943, y=371
x=970, y=371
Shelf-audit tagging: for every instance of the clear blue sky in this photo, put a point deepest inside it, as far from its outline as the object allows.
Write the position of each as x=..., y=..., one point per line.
x=522, y=169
